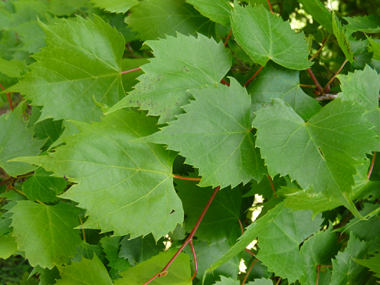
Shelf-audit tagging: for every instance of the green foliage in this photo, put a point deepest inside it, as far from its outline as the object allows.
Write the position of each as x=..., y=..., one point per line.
x=121, y=103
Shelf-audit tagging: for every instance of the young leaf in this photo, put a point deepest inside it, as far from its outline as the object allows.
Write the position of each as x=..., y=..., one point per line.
x=13, y=130
x=264, y=36
x=366, y=24
x=45, y=233
x=320, y=153
x=180, y=64
x=275, y=81
x=319, y=12
x=227, y=281
x=218, y=11
x=132, y=180
x=178, y=272
x=115, y=6
x=72, y=71
x=86, y=271
x=340, y=35
x=215, y=134
x=153, y=19
x=345, y=269
x=44, y=187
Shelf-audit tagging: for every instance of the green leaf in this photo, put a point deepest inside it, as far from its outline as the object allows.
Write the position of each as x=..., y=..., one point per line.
x=130, y=79
x=178, y=272
x=366, y=24
x=132, y=180
x=227, y=281
x=13, y=131
x=280, y=240
x=11, y=68
x=214, y=134
x=45, y=233
x=115, y=6
x=319, y=12
x=221, y=218
x=317, y=250
x=264, y=36
x=321, y=153
x=373, y=263
x=180, y=64
x=275, y=81
x=72, y=71
x=153, y=19
x=140, y=249
x=44, y=187
x=85, y=272
x=374, y=47
x=8, y=246
x=218, y=11
x=111, y=247
x=345, y=269
x=340, y=35
x=363, y=87
x=68, y=7
x=261, y=281
x=32, y=36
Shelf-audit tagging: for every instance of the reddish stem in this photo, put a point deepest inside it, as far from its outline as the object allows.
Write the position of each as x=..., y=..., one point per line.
x=225, y=82
x=249, y=271
x=131, y=70
x=319, y=87
x=270, y=6
x=228, y=38
x=257, y=72
x=241, y=226
x=9, y=98
x=250, y=252
x=186, y=178
x=163, y=272
x=317, y=274
x=372, y=164
x=340, y=69
x=271, y=184
x=195, y=259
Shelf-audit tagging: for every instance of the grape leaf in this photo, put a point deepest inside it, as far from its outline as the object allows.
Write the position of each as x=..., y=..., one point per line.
x=221, y=219
x=111, y=247
x=363, y=87
x=279, y=242
x=261, y=281
x=11, y=68
x=85, y=272
x=115, y=6
x=140, y=249
x=110, y=168
x=340, y=35
x=178, y=272
x=45, y=275
x=374, y=47
x=367, y=24
x=214, y=134
x=275, y=81
x=320, y=153
x=32, y=36
x=8, y=246
x=344, y=268
x=317, y=250
x=43, y=187
x=67, y=7
x=45, y=233
x=13, y=129
x=373, y=263
x=71, y=71
x=218, y=11
x=180, y=64
x=153, y=19
x=227, y=281
x=319, y=13
x=264, y=36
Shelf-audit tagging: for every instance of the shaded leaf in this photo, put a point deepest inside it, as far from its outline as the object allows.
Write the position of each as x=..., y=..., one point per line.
x=111, y=247
x=264, y=36
x=374, y=47
x=373, y=263
x=11, y=68
x=218, y=11
x=319, y=12
x=340, y=34
x=366, y=24
x=180, y=64
x=8, y=246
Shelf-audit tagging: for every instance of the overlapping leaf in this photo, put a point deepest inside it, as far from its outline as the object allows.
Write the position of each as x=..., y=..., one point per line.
x=111, y=247
x=274, y=81
x=374, y=47
x=13, y=130
x=45, y=233
x=86, y=271
x=340, y=34
x=153, y=19
x=227, y=281
x=218, y=11
x=322, y=152
x=264, y=36
x=8, y=246
x=373, y=263
x=72, y=71
x=366, y=24
x=180, y=64
x=115, y=6
x=215, y=136
x=261, y=281
x=319, y=12
x=132, y=180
